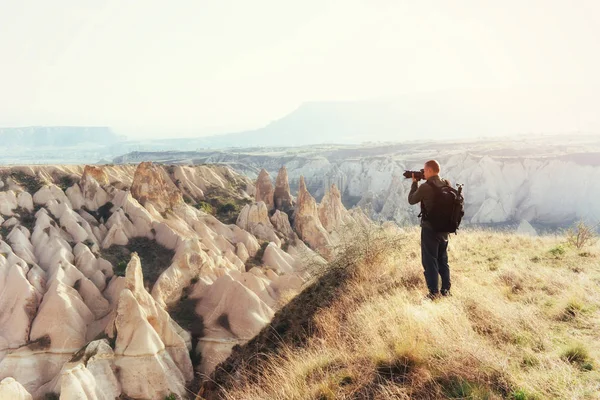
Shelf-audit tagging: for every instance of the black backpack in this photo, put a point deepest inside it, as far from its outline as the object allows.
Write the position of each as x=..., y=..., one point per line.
x=447, y=210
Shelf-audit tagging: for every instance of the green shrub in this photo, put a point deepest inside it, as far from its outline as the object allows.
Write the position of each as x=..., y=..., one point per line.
x=557, y=251
x=65, y=182
x=256, y=261
x=120, y=268
x=5, y=231
x=28, y=182
x=573, y=308
x=530, y=361
x=579, y=355
x=154, y=257
x=206, y=207
x=27, y=219
x=459, y=388
x=227, y=208
x=522, y=394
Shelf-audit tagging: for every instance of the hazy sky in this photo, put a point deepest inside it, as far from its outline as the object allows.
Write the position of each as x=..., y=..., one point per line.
x=151, y=68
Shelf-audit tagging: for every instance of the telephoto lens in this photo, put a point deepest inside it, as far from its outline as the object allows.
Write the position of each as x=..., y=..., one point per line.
x=418, y=174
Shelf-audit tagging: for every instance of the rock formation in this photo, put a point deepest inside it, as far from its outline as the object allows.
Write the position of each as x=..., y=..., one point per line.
x=152, y=185
x=525, y=228
x=152, y=357
x=283, y=196
x=90, y=188
x=84, y=315
x=332, y=213
x=264, y=189
x=308, y=224
x=255, y=219
x=505, y=180
x=281, y=222
x=13, y=390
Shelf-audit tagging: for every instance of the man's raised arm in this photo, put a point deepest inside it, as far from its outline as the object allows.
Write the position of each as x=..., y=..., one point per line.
x=416, y=193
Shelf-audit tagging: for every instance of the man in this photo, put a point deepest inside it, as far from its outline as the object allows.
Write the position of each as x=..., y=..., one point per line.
x=434, y=245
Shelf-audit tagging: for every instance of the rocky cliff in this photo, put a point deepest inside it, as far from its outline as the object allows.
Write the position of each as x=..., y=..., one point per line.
x=547, y=181
x=123, y=281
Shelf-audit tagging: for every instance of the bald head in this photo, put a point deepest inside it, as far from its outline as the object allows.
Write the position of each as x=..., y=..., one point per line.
x=432, y=168
x=434, y=165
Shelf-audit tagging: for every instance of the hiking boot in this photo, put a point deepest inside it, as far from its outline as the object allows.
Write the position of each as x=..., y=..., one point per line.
x=446, y=292
x=432, y=296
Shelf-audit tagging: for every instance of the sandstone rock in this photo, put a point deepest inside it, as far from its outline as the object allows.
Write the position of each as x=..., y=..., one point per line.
x=96, y=270
x=13, y=390
x=226, y=323
x=19, y=241
x=61, y=294
x=281, y=222
x=8, y=202
x=152, y=185
x=332, y=213
x=359, y=217
x=245, y=237
x=48, y=193
x=189, y=262
x=73, y=223
x=307, y=223
x=53, y=339
x=264, y=190
x=283, y=196
x=32, y=368
x=303, y=255
x=258, y=282
x=96, y=173
x=25, y=201
x=49, y=246
x=90, y=192
x=90, y=374
x=278, y=259
x=66, y=334
x=140, y=220
x=255, y=219
x=152, y=357
x=525, y=228
x=18, y=296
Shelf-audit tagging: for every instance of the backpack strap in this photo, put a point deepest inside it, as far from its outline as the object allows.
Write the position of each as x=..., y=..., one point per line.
x=423, y=210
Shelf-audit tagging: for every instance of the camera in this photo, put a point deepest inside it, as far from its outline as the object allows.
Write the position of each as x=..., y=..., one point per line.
x=418, y=174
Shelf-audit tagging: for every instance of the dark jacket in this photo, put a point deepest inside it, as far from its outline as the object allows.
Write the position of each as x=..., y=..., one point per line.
x=425, y=193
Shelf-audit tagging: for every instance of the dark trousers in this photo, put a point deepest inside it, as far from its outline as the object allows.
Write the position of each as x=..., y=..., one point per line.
x=434, y=255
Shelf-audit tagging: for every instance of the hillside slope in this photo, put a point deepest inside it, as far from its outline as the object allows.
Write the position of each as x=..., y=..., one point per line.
x=522, y=323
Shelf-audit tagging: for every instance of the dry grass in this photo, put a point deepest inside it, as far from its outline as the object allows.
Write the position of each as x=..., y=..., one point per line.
x=522, y=323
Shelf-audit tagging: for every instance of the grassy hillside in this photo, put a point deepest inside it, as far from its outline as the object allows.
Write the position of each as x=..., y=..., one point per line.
x=523, y=323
